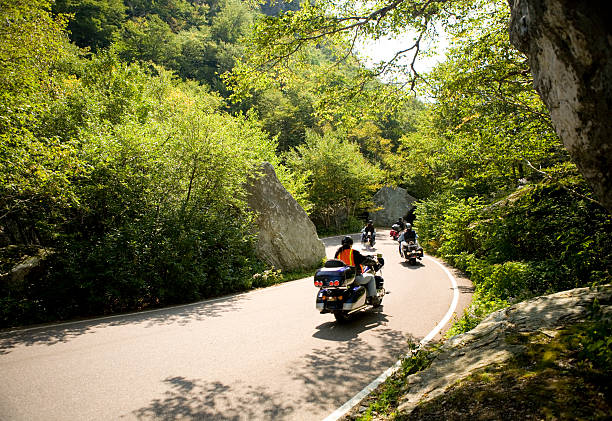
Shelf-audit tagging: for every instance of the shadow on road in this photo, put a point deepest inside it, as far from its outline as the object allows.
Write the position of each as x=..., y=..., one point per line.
x=359, y=322
x=466, y=289
x=199, y=400
x=413, y=267
x=183, y=315
x=347, y=368
x=327, y=376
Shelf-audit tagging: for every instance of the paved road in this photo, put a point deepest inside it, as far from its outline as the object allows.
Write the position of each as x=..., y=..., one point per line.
x=267, y=354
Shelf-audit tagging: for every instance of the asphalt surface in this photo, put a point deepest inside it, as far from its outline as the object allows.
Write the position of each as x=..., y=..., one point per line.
x=267, y=354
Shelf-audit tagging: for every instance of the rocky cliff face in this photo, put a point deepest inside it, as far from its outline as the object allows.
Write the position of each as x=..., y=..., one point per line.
x=287, y=237
x=493, y=341
x=569, y=45
x=394, y=202
x=522, y=362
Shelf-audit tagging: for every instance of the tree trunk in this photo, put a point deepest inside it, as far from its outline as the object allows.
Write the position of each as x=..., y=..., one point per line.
x=569, y=45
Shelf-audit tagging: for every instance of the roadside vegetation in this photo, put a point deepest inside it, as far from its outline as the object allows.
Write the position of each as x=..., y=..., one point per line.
x=123, y=159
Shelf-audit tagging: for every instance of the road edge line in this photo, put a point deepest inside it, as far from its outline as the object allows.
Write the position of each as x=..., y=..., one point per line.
x=340, y=412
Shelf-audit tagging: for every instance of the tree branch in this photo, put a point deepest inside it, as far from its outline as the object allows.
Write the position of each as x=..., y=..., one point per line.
x=572, y=191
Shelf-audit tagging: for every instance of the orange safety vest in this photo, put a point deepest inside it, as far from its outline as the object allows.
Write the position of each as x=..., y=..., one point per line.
x=346, y=256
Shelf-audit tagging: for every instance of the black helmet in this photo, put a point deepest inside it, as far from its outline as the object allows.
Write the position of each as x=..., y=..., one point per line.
x=347, y=241
x=369, y=221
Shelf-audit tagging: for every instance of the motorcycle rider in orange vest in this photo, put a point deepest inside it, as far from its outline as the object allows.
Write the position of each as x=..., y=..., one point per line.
x=355, y=258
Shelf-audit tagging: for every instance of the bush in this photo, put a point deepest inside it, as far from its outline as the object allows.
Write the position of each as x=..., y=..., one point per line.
x=339, y=180
x=155, y=211
x=537, y=241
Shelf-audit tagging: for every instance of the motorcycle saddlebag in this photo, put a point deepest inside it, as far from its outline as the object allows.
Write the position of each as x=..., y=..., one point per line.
x=335, y=276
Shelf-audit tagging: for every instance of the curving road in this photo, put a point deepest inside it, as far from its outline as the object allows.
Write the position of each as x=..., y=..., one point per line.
x=267, y=354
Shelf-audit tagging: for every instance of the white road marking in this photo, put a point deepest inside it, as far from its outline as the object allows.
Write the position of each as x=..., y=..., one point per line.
x=340, y=412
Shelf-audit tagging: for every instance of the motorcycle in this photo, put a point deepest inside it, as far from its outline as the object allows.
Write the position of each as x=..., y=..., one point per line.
x=411, y=252
x=340, y=295
x=368, y=238
x=395, y=232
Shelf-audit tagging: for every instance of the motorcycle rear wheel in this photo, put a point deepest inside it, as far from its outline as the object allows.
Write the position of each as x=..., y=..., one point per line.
x=341, y=316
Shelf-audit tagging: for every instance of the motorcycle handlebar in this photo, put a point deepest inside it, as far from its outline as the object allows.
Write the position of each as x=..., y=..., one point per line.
x=375, y=262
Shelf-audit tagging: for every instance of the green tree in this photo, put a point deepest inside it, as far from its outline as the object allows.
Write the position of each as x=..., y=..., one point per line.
x=148, y=39
x=35, y=171
x=179, y=14
x=94, y=21
x=339, y=179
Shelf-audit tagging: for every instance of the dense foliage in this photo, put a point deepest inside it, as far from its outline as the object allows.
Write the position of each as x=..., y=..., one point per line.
x=125, y=180
x=122, y=165
x=339, y=179
x=501, y=200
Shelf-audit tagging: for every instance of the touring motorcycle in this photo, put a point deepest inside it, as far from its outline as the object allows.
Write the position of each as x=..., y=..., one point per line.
x=411, y=252
x=338, y=292
x=368, y=238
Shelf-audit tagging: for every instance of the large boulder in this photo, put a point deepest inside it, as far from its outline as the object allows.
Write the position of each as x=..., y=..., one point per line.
x=494, y=340
x=569, y=45
x=394, y=202
x=287, y=237
x=29, y=269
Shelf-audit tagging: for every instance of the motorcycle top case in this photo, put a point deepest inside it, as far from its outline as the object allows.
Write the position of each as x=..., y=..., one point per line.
x=345, y=275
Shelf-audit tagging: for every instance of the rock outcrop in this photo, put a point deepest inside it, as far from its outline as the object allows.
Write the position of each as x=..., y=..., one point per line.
x=488, y=343
x=569, y=45
x=287, y=237
x=394, y=202
x=28, y=269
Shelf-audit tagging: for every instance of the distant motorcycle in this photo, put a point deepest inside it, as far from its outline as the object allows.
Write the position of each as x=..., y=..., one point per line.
x=395, y=232
x=368, y=238
x=340, y=295
x=411, y=252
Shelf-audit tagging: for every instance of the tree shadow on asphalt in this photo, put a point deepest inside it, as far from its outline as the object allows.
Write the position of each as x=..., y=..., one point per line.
x=347, y=369
x=328, y=376
x=466, y=289
x=181, y=315
x=201, y=400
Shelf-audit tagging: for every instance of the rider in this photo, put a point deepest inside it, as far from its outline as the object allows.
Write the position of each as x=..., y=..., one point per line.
x=401, y=223
x=408, y=235
x=354, y=258
x=368, y=228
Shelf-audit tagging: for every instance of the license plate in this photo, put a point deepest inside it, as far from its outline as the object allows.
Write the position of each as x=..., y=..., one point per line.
x=331, y=298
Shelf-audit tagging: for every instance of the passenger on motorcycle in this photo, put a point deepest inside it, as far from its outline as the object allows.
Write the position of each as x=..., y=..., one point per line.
x=368, y=228
x=354, y=258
